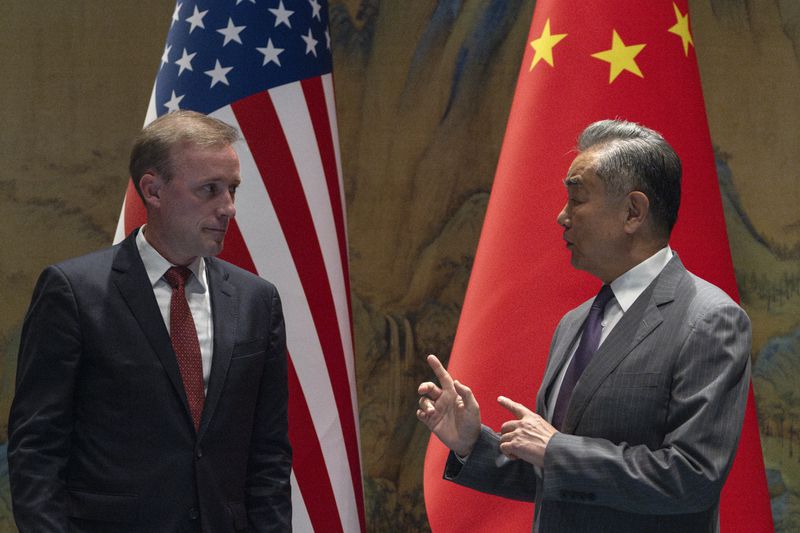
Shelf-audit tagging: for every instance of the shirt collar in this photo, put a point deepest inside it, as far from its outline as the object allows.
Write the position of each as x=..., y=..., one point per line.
x=630, y=285
x=156, y=265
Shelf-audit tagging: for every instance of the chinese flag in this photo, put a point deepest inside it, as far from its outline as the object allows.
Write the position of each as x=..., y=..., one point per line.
x=583, y=61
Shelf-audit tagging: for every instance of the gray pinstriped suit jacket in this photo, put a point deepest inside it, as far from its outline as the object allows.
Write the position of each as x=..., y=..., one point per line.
x=653, y=423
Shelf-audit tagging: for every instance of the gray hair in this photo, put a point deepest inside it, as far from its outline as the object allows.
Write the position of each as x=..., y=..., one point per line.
x=631, y=157
x=153, y=147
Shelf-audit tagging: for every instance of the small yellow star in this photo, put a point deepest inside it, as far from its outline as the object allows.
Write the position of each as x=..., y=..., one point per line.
x=544, y=45
x=681, y=29
x=620, y=57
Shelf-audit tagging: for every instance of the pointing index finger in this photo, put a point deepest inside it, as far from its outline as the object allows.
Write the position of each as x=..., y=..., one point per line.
x=445, y=380
x=517, y=409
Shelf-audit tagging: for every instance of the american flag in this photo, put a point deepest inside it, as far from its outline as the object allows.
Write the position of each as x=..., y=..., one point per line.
x=264, y=66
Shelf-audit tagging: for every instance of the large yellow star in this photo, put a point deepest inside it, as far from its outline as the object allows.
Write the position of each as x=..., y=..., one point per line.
x=544, y=45
x=681, y=29
x=620, y=57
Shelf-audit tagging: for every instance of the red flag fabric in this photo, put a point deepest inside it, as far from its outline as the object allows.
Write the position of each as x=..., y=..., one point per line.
x=266, y=70
x=584, y=61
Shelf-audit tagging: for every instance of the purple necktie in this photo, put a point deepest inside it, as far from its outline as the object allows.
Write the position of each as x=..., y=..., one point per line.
x=590, y=340
x=184, y=341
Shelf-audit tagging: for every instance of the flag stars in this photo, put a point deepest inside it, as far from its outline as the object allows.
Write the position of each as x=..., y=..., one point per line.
x=185, y=62
x=176, y=15
x=172, y=103
x=165, y=55
x=271, y=53
x=281, y=15
x=218, y=74
x=231, y=32
x=681, y=29
x=315, y=9
x=311, y=43
x=620, y=57
x=544, y=45
x=196, y=20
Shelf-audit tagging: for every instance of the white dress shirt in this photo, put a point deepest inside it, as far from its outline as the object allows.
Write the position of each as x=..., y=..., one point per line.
x=626, y=288
x=197, y=295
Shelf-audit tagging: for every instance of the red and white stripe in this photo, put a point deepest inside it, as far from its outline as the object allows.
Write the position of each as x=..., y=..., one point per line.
x=290, y=229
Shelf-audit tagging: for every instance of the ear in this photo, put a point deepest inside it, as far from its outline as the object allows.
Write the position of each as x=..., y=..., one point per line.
x=151, y=185
x=637, y=207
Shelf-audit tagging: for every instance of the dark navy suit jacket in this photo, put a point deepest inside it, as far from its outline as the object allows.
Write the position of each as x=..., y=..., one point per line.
x=100, y=436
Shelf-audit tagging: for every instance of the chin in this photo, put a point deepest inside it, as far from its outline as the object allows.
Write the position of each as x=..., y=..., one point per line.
x=577, y=264
x=215, y=250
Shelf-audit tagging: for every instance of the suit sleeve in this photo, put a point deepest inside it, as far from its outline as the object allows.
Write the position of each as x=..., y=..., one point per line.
x=686, y=473
x=487, y=470
x=268, y=489
x=41, y=418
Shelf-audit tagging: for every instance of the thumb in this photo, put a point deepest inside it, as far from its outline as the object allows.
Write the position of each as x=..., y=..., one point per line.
x=517, y=409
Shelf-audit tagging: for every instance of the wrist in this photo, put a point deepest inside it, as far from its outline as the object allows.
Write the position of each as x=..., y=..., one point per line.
x=465, y=451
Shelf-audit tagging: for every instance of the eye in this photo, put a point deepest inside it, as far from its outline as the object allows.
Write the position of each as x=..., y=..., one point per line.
x=210, y=188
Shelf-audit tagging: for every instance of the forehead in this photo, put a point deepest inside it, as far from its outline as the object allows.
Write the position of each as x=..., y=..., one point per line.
x=581, y=174
x=220, y=158
x=190, y=151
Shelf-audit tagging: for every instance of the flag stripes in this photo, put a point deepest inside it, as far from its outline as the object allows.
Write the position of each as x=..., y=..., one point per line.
x=277, y=224
x=319, y=96
x=314, y=160
x=259, y=120
x=308, y=462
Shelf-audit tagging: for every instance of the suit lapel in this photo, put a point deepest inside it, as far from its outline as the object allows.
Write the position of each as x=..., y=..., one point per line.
x=131, y=279
x=567, y=335
x=224, y=309
x=641, y=319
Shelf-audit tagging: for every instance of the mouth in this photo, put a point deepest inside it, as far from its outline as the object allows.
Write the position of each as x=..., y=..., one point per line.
x=216, y=233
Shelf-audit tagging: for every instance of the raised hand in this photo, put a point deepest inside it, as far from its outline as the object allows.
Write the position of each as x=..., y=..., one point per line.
x=526, y=436
x=450, y=411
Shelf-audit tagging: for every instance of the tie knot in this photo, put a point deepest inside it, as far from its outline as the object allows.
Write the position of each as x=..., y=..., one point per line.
x=603, y=297
x=177, y=276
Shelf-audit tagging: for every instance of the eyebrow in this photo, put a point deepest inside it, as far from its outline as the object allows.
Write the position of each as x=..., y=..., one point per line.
x=237, y=181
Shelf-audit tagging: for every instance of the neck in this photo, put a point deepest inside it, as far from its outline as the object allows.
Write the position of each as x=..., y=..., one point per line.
x=635, y=255
x=153, y=238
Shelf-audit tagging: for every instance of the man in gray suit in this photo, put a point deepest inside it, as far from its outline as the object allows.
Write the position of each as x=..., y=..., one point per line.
x=638, y=433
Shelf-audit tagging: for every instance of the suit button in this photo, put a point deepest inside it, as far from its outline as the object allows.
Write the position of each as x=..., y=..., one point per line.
x=199, y=453
x=194, y=514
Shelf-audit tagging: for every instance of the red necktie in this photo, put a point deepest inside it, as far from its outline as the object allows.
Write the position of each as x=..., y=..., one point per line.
x=590, y=340
x=185, y=343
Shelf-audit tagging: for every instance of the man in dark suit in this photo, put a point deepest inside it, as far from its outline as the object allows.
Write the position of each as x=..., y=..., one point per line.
x=641, y=406
x=152, y=378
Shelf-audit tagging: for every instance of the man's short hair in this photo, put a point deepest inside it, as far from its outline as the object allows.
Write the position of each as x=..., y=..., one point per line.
x=153, y=147
x=631, y=157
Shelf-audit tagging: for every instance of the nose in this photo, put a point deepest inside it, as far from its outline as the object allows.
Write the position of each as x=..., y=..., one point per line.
x=227, y=208
x=563, y=219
